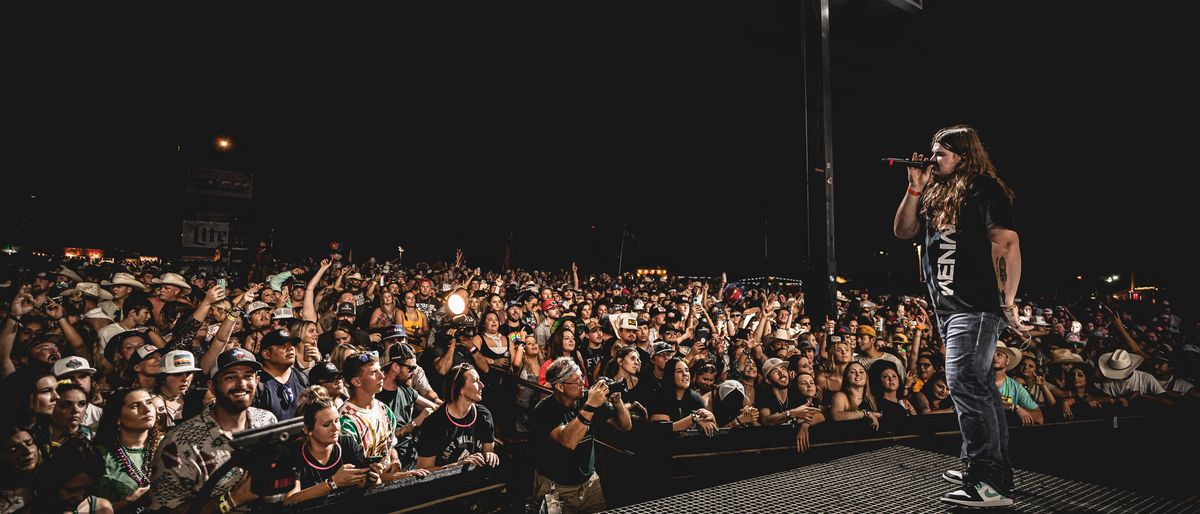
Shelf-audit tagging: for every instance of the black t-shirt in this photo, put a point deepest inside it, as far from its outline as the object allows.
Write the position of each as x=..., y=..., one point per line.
x=507, y=330
x=351, y=453
x=675, y=408
x=552, y=460
x=452, y=442
x=958, y=261
x=428, y=304
x=592, y=357
x=764, y=397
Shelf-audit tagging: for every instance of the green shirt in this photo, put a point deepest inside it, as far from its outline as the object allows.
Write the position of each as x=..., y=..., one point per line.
x=115, y=484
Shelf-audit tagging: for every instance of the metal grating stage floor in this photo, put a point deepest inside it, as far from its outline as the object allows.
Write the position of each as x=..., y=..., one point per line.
x=895, y=479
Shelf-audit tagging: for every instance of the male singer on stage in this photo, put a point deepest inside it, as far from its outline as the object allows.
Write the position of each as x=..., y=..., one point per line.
x=971, y=244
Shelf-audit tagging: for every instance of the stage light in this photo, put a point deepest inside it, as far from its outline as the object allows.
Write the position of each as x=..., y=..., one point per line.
x=456, y=304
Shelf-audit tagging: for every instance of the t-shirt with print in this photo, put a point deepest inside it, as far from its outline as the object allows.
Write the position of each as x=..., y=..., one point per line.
x=450, y=441
x=374, y=427
x=958, y=260
x=1014, y=395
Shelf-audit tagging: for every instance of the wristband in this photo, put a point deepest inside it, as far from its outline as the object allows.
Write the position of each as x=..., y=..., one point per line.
x=588, y=408
x=331, y=484
x=913, y=192
x=586, y=422
x=225, y=503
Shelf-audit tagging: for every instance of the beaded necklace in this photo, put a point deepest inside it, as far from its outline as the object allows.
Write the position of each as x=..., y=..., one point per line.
x=141, y=476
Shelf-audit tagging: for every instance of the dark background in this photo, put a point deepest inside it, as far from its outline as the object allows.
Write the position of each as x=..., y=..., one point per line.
x=455, y=129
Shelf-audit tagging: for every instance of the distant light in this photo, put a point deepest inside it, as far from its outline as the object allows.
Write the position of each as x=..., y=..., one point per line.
x=1078, y=277
x=881, y=252
x=223, y=143
x=33, y=197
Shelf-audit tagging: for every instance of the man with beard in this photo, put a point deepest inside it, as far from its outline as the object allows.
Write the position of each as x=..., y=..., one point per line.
x=280, y=383
x=426, y=301
x=258, y=317
x=777, y=402
x=201, y=443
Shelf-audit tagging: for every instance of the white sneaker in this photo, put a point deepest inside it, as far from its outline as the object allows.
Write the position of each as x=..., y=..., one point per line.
x=953, y=476
x=978, y=495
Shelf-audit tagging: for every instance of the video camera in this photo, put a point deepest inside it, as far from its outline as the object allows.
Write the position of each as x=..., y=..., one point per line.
x=266, y=453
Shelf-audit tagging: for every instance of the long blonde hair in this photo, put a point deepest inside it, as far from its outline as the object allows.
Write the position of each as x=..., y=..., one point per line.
x=944, y=196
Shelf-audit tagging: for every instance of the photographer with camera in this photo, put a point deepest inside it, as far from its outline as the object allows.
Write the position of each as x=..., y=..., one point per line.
x=563, y=445
x=199, y=445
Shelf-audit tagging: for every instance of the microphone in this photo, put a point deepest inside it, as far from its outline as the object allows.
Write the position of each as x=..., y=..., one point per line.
x=892, y=161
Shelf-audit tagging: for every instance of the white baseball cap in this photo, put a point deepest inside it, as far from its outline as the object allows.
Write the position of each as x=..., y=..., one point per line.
x=71, y=365
x=179, y=361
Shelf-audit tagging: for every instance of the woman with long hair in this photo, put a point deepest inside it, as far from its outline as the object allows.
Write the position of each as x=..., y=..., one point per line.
x=414, y=321
x=884, y=379
x=128, y=436
x=934, y=397
x=494, y=360
x=561, y=344
x=308, y=353
x=855, y=400
x=1082, y=393
x=679, y=404
x=387, y=311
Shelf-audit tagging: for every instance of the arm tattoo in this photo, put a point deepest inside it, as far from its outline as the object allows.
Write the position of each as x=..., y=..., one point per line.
x=1002, y=270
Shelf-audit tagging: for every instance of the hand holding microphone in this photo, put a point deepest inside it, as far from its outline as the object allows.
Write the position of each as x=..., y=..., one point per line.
x=919, y=173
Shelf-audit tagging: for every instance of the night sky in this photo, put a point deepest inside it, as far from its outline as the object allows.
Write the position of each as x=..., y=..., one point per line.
x=687, y=122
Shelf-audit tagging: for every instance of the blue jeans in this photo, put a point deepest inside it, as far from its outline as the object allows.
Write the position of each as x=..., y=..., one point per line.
x=970, y=339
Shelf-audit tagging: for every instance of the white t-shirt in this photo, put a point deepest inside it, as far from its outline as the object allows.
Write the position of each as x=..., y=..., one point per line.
x=1177, y=385
x=1140, y=381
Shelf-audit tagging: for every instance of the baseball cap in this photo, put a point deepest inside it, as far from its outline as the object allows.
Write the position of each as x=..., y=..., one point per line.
x=323, y=372
x=234, y=357
x=283, y=313
x=257, y=305
x=179, y=361
x=661, y=347
x=142, y=353
x=276, y=337
x=345, y=309
x=71, y=364
x=393, y=332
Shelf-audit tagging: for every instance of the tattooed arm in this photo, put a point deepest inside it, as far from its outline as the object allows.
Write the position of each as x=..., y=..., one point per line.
x=1006, y=257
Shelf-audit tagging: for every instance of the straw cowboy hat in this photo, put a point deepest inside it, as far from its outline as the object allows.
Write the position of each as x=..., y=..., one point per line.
x=1014, y=355
x=174, y=279
x=1063, y=356
x=89, y=289
x=124, y=279
x=1120, y=364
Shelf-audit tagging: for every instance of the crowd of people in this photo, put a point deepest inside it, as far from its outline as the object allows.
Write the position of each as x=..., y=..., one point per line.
x=126, y=384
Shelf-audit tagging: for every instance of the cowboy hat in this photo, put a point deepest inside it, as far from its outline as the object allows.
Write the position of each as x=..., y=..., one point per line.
x=1063, y=355
x=174, y=279
x=1120, y=364
x=1014, y=355
x=123, y=279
